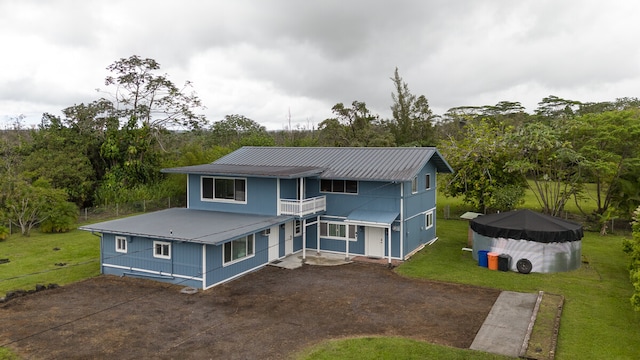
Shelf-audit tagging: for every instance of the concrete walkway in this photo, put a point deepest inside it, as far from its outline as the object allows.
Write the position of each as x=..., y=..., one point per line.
x=507, y=326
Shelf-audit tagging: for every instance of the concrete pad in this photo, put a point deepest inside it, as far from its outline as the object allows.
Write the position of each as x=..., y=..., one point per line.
x=326, y=259
x=288, y=262
x=507, y=325
x=294, y=261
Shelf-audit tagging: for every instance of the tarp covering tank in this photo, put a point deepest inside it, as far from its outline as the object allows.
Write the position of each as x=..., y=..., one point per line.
x=535, y=242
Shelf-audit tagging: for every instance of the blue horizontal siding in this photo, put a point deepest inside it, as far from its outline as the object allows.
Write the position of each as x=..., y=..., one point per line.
x=185, y=262
x=217, y=272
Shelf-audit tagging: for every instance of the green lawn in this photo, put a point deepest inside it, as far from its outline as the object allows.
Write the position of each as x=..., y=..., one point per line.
x=597, y=321
x=388, y=348
x=32, y=260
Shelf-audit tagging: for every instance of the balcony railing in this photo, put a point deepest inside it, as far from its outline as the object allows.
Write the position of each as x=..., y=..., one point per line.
x=303, y=207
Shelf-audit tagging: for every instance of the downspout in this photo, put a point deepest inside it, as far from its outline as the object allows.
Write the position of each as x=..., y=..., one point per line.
x=278, y=212
x=389, y=241
x=346, y=246
x=304, y=239
x=301, y=189
x=402, y=220
x=188, y=176
x=435, y=203
x=204, y=266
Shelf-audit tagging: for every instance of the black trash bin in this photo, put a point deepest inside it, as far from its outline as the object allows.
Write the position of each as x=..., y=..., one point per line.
x=504, y=260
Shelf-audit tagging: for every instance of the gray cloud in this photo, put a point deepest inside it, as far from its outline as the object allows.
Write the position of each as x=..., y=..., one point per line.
x=263, y=59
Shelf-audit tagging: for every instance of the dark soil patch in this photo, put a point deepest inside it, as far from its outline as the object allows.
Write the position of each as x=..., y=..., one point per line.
x=270, y=313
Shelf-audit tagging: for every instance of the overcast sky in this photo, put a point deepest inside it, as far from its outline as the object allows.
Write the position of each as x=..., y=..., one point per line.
x=265, y=59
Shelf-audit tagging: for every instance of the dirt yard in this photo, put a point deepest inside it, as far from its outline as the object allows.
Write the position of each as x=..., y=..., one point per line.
x=268, y=314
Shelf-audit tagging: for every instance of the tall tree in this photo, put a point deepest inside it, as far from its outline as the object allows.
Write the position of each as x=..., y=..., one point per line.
x=609, y=143
x=354, y=126
x=58, y=155
x=479, y=158
x=412, y=119
x=543, y=155
x=152, y=100
x=553, y=107
x=237, y=130
x=28, y=204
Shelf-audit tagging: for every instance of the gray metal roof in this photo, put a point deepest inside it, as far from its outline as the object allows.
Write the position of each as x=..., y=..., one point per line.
x=348, y=163
x=243, y=170
x=363, y=216
x=198, y=226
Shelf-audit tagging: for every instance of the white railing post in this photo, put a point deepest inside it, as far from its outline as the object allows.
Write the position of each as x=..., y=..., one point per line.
x=302, y=207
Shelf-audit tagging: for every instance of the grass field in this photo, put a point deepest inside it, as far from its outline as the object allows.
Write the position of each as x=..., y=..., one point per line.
x=587, y=202
x=32, y=260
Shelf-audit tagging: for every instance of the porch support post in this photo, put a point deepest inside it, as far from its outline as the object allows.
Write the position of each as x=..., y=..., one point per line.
x=389, y=241
x=346, y=246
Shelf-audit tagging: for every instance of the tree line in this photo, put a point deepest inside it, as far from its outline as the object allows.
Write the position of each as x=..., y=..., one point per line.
x=111, y=150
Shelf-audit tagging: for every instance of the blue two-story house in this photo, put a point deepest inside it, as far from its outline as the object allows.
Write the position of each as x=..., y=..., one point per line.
x=260, y=204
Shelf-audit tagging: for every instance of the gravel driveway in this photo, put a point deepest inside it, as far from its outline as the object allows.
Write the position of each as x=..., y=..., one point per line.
x=268, y=314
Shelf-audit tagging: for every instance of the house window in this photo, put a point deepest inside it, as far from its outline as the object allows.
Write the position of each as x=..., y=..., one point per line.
x=427, y=179
x=224, y=189
x=162, y=250
x=336, y=230
x=238, y=249
x=414, y=185
x=339, y=186
x=297, y=228
x=121, y=244
x=428, y=219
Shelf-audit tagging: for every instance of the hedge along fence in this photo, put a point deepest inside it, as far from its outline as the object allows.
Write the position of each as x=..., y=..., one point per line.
x=104, y=212
x=109, y=211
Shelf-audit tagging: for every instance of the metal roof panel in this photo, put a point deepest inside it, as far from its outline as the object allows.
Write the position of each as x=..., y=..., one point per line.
x=198, y=226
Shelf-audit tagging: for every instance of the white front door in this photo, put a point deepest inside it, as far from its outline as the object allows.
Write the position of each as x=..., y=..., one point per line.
x=374, y=241
x=288, y=238
x=274, y=249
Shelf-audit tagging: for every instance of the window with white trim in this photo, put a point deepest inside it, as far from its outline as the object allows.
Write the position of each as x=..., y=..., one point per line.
x=162, y=249
x=427, y=180
x=224, y=189
x=121, y=244
x=339, y=186
x=337, y=230
x=414, y=185
x=238, y=249
x=297, y=228
x=428, y=219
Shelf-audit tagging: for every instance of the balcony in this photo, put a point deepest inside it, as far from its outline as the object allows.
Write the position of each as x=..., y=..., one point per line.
x=303, y=207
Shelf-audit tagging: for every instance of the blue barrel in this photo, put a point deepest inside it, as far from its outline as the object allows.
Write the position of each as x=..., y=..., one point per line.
x=483, y=259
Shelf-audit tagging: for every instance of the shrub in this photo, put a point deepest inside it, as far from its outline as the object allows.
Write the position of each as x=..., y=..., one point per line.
x=632, y=247
x=4, y=232
x=61, y=218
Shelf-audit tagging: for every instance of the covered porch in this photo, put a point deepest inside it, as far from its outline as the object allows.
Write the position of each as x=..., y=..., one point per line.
x=324, y=258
